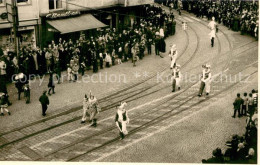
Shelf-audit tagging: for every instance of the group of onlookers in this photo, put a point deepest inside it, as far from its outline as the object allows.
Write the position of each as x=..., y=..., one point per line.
x=103, y=48
x=241, y=149
x=237, y=15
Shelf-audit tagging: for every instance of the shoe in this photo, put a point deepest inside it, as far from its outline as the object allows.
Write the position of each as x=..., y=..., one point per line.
x=53, y=93
x=199, y=95
x=82, y=122
x=2, y=114
x=43, y=114
x=173, y=90
x=233, y=116
x=9, y=113
x=207, y=94
x=179, y=88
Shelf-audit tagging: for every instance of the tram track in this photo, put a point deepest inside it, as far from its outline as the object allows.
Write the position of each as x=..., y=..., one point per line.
x=105, y=108
x=154, y=121
x=118, y=95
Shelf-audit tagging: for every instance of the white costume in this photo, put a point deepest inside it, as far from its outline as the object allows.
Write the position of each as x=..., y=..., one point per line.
x=173, y=54
x=176, y=78
x=206, y=78
x=85, y=109
x=212, y=34
x=212, y=24
x=122, y=119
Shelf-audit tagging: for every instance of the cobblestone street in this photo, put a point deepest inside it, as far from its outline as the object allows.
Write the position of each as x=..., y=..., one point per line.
x=164, y=127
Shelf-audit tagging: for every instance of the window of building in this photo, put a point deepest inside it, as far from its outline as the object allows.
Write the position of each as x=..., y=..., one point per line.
x=22, y=1
x=1, y=2
x=55, y=4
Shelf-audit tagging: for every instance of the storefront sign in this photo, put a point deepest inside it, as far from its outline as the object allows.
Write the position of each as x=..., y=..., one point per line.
x=63, y=15
x=26, y=28
x=138, y=2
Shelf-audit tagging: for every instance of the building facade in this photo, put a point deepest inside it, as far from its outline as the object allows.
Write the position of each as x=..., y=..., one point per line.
x=41, y=21
x=28, y=29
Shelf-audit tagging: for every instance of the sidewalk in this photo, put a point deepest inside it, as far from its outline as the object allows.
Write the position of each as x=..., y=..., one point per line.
x=69, y=95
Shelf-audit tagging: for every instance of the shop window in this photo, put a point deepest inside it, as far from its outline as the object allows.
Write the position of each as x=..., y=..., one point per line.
x=55, y=4
x=1, y=2
x=23, y=2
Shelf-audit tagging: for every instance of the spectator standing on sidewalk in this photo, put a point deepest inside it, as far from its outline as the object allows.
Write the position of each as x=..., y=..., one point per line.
x=51, y=84
x=27, y=93
x=237, y=105
x=157, y=43
x=245, y=105
x=251, y=110
x=44, y=100
x=255, y=98
x=3, y=104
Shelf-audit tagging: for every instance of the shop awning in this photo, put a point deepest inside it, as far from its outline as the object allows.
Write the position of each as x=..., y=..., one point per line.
x=75, y=24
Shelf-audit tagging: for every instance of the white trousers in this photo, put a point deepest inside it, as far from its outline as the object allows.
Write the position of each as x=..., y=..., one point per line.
x=124, y=127
x=207, y=86
x=2, y=110
x=173, y=61
x=84, y=117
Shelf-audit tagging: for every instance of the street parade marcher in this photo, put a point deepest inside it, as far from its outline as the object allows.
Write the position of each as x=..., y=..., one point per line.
x=3, y=104
x=94, y=109
x=237, y=105
x=212, y=24
x=176, y=78
x=122, y=120
x=85, y=109
x=44, y=100
x=205, y=80
x=212, y=36
x=173, y=54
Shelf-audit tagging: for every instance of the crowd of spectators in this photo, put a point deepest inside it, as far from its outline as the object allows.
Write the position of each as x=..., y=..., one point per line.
x=236, y=15
x=104, y=47
x=241, y=149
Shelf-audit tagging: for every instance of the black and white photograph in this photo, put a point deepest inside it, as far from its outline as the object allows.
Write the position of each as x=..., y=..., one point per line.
x=129, y=81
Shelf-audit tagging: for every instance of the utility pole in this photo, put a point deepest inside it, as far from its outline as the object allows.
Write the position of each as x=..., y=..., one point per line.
x=12, y=12
x=15, y=26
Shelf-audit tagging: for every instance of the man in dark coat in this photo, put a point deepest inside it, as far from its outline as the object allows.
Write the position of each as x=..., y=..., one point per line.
x=44, y=100
x=237, y=105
